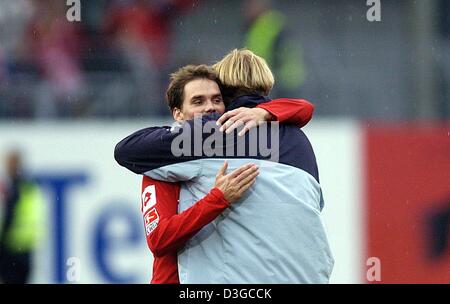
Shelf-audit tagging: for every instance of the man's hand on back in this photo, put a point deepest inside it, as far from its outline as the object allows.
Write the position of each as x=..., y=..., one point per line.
x=248, y=117
x=234, y=184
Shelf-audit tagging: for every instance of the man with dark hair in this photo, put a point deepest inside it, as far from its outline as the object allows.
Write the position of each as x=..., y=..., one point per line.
x=193, y=90
x=183, y=77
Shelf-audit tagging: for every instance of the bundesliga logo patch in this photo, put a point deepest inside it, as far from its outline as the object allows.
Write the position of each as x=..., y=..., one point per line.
x=151, y=220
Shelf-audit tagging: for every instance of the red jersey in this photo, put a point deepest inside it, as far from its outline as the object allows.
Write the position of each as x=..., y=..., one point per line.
x=167, y=231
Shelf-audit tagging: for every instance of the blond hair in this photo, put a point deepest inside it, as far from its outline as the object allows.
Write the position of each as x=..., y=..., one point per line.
x=243, y=69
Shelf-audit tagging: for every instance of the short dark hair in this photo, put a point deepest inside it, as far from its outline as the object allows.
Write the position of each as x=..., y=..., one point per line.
x=178, y=80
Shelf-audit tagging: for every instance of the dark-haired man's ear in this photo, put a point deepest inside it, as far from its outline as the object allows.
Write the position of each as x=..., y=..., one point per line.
x=177, y=114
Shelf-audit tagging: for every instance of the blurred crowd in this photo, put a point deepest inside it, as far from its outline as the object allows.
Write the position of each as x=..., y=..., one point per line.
x=50, y=67
x=117, y=60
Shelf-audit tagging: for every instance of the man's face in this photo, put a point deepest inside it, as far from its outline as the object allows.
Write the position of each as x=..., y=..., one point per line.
x=201, y=96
